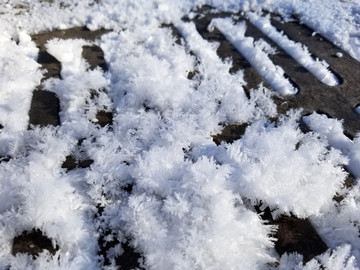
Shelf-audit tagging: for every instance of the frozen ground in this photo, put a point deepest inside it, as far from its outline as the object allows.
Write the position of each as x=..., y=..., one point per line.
x=153, y=181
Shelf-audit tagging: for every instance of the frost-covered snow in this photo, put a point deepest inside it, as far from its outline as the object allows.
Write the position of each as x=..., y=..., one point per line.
x=192, y=201
x=259, y=59
x=296, y=50
x=332, y=130
x=273, y=163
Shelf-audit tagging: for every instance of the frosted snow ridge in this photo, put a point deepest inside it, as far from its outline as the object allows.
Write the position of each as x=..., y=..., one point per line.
x=273, y=74
x=300, y=53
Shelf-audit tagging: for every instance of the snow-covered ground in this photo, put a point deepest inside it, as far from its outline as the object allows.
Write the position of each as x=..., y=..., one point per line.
x=192, y=201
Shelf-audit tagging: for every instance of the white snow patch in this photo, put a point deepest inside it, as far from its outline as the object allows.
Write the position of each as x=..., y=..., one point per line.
x=215, y=77
x=45, y=199
x=339, y=259
x=339, y=224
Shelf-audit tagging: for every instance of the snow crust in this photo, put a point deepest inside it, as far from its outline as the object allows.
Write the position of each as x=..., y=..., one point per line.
x=192, y=201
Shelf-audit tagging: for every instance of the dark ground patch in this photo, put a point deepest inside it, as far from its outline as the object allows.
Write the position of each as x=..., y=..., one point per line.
x=129, y=259
x=104, y=118
x=295, y=235
x=71, y=163
x=298, y=235
x=45, y=107
x=94, y=55
x=33, y=242
x=230, y=133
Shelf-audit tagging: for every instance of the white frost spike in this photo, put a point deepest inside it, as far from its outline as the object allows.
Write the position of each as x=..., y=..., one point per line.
x=273, y=74
x=296, y=50
x=340, y=258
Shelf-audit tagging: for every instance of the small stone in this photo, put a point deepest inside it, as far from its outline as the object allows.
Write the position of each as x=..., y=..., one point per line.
x=357, y=109
x=339, y=54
